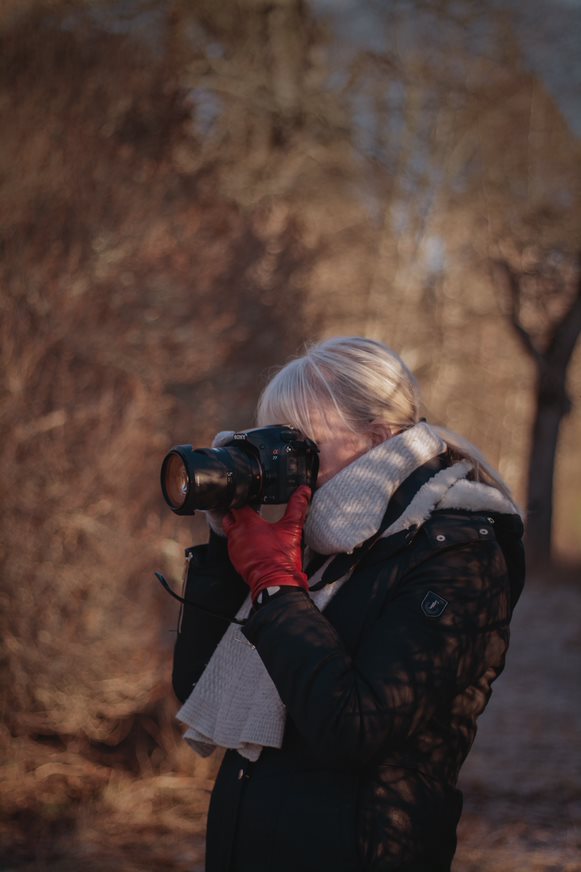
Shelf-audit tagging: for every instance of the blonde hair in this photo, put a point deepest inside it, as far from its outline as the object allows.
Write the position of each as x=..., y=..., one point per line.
x=364, y=382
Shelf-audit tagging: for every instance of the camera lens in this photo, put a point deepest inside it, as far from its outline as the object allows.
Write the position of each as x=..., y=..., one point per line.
x=209, y=478
x=175, y=481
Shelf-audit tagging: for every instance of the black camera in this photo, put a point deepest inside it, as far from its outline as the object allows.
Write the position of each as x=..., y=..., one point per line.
x=264, y=465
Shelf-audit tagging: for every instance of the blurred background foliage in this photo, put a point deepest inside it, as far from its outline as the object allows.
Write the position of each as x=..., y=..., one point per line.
x=190, y=191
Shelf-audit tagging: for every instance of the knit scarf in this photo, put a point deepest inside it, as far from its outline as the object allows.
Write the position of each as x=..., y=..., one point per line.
x=235, y=703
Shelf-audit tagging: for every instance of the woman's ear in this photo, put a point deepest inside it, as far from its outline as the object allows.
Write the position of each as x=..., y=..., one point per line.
x=379, y=432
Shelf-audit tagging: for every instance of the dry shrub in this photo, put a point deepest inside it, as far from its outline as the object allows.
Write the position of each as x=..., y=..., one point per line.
x=137, y=309
x=62, y=811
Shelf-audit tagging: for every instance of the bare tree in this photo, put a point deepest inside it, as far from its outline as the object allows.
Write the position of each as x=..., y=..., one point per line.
x=544, y=308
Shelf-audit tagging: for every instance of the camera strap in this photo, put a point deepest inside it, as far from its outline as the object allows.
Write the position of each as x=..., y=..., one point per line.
x=188, y=602
x=343, y=563
x=400, y=500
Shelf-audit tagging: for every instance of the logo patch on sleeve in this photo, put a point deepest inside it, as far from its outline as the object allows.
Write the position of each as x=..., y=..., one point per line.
x=433, y=605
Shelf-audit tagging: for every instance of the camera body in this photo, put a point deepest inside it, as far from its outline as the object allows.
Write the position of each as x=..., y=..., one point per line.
x=259, y=466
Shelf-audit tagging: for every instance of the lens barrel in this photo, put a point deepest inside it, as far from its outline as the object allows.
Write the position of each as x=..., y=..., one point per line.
x=209, y=478
x=264, y=465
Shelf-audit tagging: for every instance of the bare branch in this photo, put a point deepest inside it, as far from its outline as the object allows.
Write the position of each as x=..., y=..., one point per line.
x=514, y=285
x=567, y=331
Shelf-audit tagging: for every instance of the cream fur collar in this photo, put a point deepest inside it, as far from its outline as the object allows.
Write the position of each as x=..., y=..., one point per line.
x=348, y=509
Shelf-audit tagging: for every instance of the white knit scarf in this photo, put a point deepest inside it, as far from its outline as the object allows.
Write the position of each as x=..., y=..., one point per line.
x=235, y=703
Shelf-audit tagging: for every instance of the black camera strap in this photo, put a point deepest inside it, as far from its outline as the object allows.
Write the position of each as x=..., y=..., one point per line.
x=344, y=562
x=188, y=602
x=398, y=503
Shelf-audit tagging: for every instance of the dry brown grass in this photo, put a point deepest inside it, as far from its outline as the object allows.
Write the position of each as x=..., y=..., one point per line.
x=59, y=811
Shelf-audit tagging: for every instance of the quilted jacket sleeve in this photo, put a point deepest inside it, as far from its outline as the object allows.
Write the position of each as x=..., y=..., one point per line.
x=439, y=628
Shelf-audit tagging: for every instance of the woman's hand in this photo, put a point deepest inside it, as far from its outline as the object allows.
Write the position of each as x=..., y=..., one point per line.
x=265, y=554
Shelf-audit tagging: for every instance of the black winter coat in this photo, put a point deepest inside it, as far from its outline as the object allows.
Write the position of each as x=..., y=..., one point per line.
x=382, y=693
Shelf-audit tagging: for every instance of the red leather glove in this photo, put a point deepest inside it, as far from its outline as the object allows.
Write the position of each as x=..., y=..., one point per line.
x=265, y=554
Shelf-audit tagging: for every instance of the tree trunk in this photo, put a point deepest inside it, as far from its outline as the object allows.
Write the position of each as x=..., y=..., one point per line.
x=552, y=406
x=553, y=403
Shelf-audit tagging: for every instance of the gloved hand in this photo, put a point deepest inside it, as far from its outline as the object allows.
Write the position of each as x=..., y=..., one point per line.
x=215, y=519
x=265, y=554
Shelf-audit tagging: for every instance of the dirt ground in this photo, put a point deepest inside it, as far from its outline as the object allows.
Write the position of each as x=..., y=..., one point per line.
x=521, y=783
x=522, y=780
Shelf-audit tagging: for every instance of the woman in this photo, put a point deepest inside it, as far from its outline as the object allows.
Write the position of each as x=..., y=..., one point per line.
x=377, y=620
